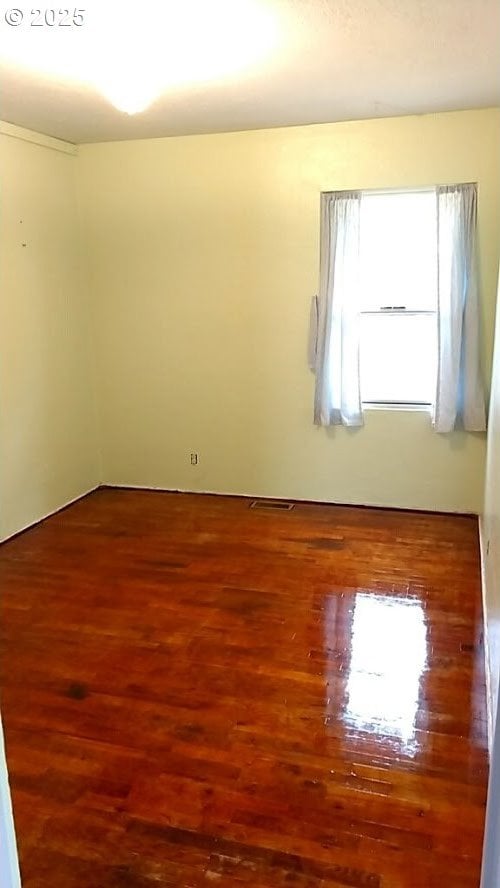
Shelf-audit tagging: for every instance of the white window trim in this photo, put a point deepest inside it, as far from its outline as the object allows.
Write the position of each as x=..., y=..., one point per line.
x=397, y=406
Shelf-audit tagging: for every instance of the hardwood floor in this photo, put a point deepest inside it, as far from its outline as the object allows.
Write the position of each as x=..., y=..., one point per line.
x=197, y=693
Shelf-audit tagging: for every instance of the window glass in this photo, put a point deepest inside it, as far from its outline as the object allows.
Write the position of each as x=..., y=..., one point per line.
x=398, y=297
x=398, y=250
x=398, y=356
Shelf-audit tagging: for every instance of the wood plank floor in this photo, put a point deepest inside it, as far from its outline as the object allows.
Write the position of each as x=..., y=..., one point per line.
x=198, y=693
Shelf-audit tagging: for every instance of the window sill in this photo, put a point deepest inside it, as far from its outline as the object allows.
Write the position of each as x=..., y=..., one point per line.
x=406, y=408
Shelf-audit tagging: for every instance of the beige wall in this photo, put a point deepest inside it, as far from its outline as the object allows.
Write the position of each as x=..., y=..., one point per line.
x=490, y=533
x=48, y=447
x=203, y=256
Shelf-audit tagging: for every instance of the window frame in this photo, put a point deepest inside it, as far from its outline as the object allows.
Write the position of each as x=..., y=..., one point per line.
x=401, y=310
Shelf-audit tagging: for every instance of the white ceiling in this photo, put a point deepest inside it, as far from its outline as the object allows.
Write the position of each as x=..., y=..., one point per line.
x=326, y=60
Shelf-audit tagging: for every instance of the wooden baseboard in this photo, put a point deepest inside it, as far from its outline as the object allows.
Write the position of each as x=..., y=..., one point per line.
x=61, y=508
x=291, y=499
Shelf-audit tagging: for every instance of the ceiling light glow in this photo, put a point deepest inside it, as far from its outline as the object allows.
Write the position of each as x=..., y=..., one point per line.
x=132, y=53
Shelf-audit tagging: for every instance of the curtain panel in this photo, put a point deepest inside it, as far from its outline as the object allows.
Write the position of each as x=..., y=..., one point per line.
x=338, y=394
x=459, y=392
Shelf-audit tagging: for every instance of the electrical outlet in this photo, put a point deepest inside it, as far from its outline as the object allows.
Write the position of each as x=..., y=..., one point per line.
x=194, y=459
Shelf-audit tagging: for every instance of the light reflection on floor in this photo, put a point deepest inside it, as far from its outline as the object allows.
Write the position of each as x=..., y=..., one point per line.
x=388, y=657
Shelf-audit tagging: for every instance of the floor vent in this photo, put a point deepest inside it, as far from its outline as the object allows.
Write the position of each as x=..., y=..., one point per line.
x=272, y=505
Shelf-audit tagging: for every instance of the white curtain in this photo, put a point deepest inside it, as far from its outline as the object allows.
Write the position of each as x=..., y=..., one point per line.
x=338, y=395
x=459, y=394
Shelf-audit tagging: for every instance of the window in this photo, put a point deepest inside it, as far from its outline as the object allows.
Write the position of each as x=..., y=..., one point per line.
x=398, y=297
x=379, y=332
